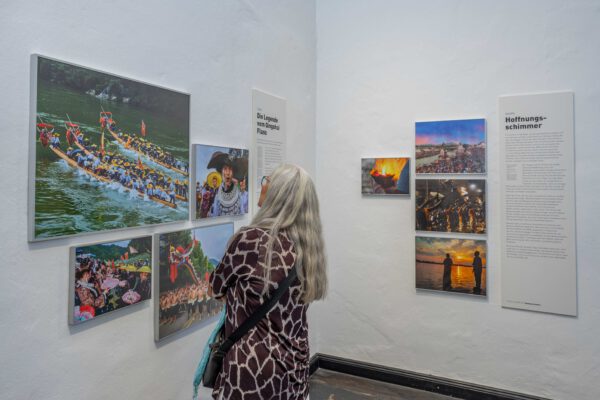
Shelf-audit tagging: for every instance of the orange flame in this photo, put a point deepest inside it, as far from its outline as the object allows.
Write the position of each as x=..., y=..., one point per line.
x=389, y=167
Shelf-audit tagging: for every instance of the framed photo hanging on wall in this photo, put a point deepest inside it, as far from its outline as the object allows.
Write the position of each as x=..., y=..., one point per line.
x=108, y=276
x=221, y=181
x=106, y=152
x=385, y=176
x=451, y=147
x=185, y=260
x=450, y=205
x=451, y=265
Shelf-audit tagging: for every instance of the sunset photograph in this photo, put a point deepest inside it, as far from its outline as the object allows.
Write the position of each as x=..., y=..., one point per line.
x=451, y=265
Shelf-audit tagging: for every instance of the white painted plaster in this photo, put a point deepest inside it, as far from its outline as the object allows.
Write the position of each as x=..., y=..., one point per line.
x=381, y=65
x=215, y=50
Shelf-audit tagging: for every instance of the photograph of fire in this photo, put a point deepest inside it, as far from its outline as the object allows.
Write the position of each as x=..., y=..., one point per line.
x=386, y=176
x=450, y=205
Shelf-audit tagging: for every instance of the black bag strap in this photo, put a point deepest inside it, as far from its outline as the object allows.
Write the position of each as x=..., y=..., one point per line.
x=260, y=313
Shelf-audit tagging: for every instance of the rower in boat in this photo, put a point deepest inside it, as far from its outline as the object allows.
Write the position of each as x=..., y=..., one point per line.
x=45, y=131
x=55, y=141
x=105, y=119
x=136, y=185
x=80, y=137
x=73, y=131
x=150, y=189
x=184, y=189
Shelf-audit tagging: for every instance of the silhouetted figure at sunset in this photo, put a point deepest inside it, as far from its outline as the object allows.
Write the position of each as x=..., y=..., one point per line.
x=447, y=282
x=477, y=269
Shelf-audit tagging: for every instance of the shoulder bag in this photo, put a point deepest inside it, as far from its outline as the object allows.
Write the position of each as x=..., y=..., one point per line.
x=221, y=346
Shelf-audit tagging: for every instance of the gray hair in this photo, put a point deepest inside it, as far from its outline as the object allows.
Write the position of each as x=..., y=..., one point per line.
x=291, y=205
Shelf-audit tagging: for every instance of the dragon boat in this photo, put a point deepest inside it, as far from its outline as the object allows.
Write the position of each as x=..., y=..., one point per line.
x=127, y=145
x=104, y=179
x=88, y=152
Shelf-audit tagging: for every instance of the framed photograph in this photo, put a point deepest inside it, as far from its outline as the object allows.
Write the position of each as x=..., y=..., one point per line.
x=108, y=276
x=106, y=152
x=451, y=265
x=450, y=147
x=184, y=262
x=450, y=205
x=385, y=176
x=221, y=181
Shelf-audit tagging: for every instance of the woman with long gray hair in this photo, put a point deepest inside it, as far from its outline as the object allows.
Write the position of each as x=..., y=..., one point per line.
x=271, y=360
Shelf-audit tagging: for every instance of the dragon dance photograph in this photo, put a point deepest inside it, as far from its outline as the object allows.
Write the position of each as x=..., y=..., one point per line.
x=106, y=277
x=110, y=153
x=185, y=261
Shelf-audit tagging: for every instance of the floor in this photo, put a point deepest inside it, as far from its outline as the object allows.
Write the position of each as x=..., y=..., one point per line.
x=329, y=385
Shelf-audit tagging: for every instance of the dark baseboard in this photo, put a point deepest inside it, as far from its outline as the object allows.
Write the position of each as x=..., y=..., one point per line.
x=448, y=387
x=314, y=363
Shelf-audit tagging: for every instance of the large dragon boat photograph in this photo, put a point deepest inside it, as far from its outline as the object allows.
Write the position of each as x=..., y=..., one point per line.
x=108, y=152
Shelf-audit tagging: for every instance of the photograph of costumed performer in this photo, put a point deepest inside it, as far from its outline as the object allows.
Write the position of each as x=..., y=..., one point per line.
x=179, y=256
x=205, y=194
x=221, y=178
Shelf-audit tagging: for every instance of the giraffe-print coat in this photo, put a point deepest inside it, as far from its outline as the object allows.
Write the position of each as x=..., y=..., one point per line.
x=271, y=360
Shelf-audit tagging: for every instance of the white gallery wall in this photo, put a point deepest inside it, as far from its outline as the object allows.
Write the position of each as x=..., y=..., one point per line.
x=382, y=65
x=215, y=50
x=369, y=69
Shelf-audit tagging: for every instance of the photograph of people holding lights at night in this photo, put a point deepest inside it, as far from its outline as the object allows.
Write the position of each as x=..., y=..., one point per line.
x=450, y=205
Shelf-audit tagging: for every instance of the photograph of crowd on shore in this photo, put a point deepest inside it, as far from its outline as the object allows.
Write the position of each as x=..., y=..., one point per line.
x=221, y=181
x=451, y=265
x=186, y=259
x=451, y=147
x=385, y=176
x=113, y=151
x=109, y=276
x=450, y=205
